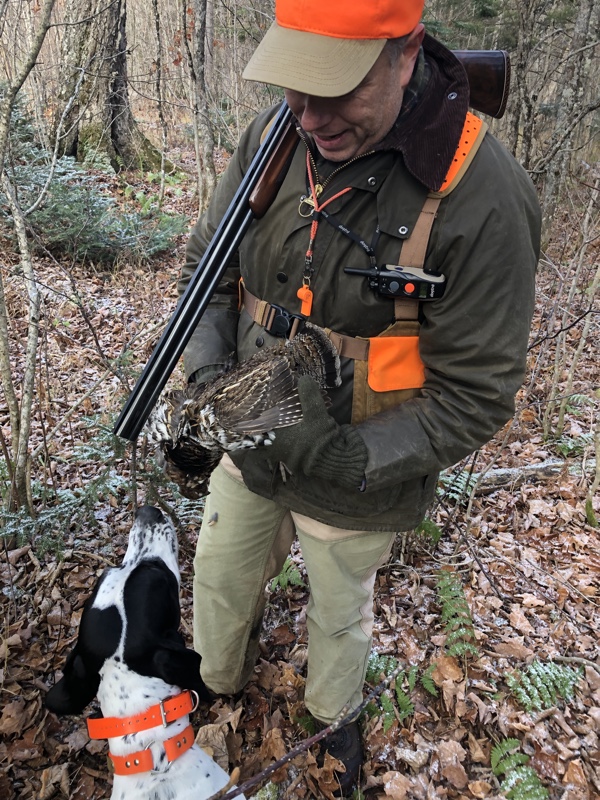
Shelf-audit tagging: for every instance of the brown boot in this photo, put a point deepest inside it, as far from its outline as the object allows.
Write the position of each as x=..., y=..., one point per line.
x=345, y=745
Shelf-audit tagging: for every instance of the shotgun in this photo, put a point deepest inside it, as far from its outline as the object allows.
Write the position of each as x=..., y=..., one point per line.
x=488, y=72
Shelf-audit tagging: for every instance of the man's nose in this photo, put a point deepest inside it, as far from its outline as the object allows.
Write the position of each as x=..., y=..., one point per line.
x=316, y=112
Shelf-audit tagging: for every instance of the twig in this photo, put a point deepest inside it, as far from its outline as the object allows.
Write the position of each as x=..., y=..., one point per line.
x=70, y=413
x=577, y=660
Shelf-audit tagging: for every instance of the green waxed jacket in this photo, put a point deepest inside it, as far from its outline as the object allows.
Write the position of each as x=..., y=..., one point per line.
x=472, y=341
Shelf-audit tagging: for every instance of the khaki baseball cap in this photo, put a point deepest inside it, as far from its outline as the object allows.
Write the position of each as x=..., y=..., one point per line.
x=326, y=47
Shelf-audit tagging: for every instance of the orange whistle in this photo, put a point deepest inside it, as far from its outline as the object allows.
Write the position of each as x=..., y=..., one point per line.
x=306, y=295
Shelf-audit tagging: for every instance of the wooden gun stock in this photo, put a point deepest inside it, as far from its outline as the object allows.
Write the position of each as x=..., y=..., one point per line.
x=488, y=72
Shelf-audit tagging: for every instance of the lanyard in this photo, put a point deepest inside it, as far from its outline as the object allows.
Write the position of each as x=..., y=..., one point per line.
x=304, y=293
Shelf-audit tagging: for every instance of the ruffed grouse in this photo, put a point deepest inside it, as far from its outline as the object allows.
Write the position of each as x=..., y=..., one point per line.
x=241, y=407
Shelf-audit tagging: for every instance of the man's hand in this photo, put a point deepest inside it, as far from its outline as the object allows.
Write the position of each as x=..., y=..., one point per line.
x=317, y=446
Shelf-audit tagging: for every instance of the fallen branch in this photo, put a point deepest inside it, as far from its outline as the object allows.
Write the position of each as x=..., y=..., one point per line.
x=497, y=478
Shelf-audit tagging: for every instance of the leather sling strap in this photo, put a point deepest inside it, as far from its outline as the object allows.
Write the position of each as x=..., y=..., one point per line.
x=143, y=760
x=414, y=249
x=160, y=714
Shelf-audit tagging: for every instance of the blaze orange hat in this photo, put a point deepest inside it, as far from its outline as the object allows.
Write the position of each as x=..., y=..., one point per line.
x=326, y=47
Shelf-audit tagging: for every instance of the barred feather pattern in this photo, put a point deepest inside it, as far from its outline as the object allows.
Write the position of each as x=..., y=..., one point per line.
x=240, y=408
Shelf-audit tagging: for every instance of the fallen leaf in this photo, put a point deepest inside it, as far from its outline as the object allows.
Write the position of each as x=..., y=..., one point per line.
x=480, y=788
x=396, y=785
x=211, y=738
x=14, y=717
x=53, y=778
x=513, y=648
x=446, y=668
x=519, y=621
x=451, y=754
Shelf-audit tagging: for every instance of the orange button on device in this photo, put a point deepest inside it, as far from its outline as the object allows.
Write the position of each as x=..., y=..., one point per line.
x=409, y=288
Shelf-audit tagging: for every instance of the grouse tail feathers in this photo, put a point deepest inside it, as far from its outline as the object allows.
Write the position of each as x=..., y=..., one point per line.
x=313, y=353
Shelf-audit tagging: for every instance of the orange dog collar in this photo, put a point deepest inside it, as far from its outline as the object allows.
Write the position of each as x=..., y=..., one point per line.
x=160, y=714
x=143, y=761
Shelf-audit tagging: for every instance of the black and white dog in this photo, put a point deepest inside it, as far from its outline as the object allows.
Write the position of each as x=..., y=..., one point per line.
x=130, y=654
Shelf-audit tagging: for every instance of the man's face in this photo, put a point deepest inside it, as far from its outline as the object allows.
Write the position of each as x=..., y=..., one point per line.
x=348, y=126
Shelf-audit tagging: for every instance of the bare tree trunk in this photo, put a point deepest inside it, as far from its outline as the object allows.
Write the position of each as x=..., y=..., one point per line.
x=521, y=129
x=203, y=130
x=570, y=101
x=101, y=125
x=20, y=413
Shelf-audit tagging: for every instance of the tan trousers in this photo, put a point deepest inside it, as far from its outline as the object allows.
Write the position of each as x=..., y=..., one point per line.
x=243, y=543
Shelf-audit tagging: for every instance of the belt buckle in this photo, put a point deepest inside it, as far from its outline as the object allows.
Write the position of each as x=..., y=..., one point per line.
x=163, y=713
x=282, y=322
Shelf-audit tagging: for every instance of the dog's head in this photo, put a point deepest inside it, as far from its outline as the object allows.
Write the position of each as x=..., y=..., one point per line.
x=132, y=617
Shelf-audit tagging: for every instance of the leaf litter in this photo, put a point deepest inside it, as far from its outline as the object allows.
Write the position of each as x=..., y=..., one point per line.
x=526, y=554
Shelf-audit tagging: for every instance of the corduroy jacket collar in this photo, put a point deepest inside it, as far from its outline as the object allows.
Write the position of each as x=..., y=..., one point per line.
x=428, y=131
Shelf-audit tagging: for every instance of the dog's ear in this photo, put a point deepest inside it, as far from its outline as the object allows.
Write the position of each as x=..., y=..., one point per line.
x=176, y=664
x=98, y=638
x=75, y=689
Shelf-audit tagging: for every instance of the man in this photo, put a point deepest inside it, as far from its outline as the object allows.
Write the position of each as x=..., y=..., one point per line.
x=381, y=109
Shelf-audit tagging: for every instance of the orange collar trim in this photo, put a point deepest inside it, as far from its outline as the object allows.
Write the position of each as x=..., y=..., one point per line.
x=160, y=714
x=143, y=761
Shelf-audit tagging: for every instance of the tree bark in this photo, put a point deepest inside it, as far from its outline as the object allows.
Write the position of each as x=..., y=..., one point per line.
x=203, y=130
x=100, y=126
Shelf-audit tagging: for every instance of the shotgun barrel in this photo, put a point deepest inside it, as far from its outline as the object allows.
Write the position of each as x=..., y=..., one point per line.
x=488, y=72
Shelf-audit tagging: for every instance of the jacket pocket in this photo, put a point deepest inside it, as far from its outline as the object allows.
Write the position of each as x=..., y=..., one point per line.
x=392, y=373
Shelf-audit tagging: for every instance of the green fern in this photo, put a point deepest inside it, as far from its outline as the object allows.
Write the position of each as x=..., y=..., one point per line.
x=379, y=665
x=542, y=684
x=427, y=681
x=387, y=711
x=429, y=530
x=457, y=486
x=456, y=615
x=405, y=706
x=521, y=782
x=412, y=676
x=289, y=576
x=502, y=758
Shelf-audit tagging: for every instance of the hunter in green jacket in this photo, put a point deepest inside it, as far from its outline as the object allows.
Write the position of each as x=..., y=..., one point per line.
x=346, y=494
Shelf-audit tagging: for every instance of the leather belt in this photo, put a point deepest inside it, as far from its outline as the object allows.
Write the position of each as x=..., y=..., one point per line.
x=272, y=317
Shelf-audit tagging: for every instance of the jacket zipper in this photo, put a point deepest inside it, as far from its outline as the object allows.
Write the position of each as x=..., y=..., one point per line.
x=320, y=187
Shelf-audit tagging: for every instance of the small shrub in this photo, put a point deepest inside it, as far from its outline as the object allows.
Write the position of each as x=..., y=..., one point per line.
x=78, y=216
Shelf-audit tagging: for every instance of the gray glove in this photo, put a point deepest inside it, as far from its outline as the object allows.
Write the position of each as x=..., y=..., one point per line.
x=205, y=374
x=318, y=446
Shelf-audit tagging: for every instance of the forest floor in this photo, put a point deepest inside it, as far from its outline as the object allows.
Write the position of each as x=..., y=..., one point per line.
x=524, y=547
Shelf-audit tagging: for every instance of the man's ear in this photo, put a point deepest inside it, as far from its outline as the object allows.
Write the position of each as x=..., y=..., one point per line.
x=410, y=53
x=75, y=689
